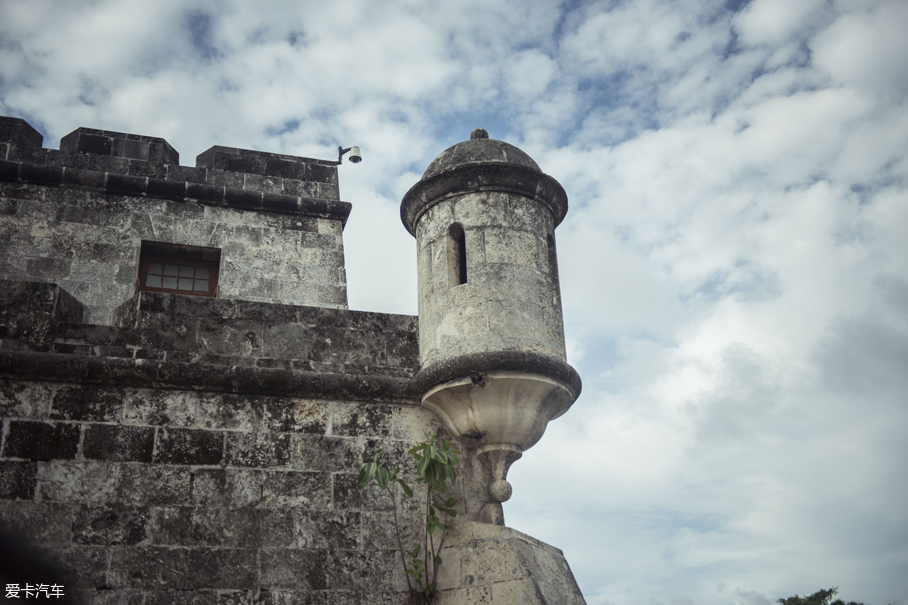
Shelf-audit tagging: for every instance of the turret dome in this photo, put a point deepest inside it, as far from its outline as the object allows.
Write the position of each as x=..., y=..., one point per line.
x=482, y=164
x=480, y=149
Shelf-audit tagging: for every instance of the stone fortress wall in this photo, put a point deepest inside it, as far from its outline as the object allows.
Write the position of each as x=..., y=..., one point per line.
x=167, y=448
x=76, y=216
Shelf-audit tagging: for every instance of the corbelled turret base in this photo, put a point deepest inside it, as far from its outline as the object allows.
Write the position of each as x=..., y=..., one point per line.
x=491, y=564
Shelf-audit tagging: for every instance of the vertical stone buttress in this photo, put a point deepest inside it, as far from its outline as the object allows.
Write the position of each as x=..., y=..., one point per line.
x=491, y=334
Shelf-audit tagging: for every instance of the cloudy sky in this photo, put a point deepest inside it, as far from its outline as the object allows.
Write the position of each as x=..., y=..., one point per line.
x=734, y=262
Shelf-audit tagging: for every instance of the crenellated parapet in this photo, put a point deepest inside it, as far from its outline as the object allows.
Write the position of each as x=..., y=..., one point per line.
x=83, y=217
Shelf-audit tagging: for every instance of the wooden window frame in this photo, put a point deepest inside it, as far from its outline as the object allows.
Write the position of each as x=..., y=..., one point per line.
x=182, y=256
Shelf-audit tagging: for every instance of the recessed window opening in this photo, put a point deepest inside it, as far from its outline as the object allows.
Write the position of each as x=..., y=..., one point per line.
x=177, y=269
x=457, y=255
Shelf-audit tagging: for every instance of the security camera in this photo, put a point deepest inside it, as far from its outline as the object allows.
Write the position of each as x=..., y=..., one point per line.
x=355, y=156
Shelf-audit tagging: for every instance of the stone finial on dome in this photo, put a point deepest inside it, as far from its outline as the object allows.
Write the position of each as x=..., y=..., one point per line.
x=479, y=133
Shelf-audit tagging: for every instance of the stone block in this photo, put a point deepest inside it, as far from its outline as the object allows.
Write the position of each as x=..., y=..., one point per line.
x=40, y=522
x=230, y=488
x=87, y=402
x=304, y=189
x=150, y=169
x=288, y=169
x=25, y=400
x=326, y=529
x=286, y=341
x=152, y=485
x=30, y=310
x=348, y=495
x=110, y=526
x=86, y=565
x=372, y=571
x=17, y=480
x=187, y=446
x=228, y=411
x=204, y=597
x=151, y=567
x=41, y=174
x=306, y=490
x=221, y=527
x=19, y=132
x=472, y=595
x=360, y=420
x=258, y=449
x=41, y=440
x=379, y=534
x=160, y=408
x=237, y=337
x=105, y=596
x=70, y=481
x=318, y=453
x=114, y=443
x=302, y=570
x=222, y=568
x=119, y=144
x=296, y=415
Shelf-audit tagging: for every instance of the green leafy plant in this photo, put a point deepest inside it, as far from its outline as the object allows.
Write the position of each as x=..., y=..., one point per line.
x=435, y=461
x=820, y=597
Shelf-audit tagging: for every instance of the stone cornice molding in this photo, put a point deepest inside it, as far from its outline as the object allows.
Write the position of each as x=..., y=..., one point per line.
x=483, y=176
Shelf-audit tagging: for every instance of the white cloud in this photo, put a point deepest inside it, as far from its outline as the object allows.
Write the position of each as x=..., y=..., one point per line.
x=867, y=49
x=774, y=21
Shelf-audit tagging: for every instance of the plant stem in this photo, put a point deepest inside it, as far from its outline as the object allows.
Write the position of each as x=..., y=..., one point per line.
x=427, y=536
x=400, y=546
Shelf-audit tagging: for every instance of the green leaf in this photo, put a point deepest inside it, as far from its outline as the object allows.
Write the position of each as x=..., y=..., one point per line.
x=407, y=491
x=422, y=466
x=366, y=474
x=437, y=560
x=450, y=501
x=383, y=477
x=429, y=472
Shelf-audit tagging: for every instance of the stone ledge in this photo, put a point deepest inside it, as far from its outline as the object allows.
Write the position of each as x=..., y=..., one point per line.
x=118, y=371
x=476, y=364
x=139, y=186
x=468, y=178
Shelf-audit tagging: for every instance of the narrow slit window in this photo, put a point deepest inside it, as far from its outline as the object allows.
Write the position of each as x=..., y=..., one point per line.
x=178, y=269
x=553, y=259
x=457, y=255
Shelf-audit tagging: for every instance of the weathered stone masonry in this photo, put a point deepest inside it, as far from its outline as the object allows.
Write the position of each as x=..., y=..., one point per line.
x=167, y=448
x=75, y=217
